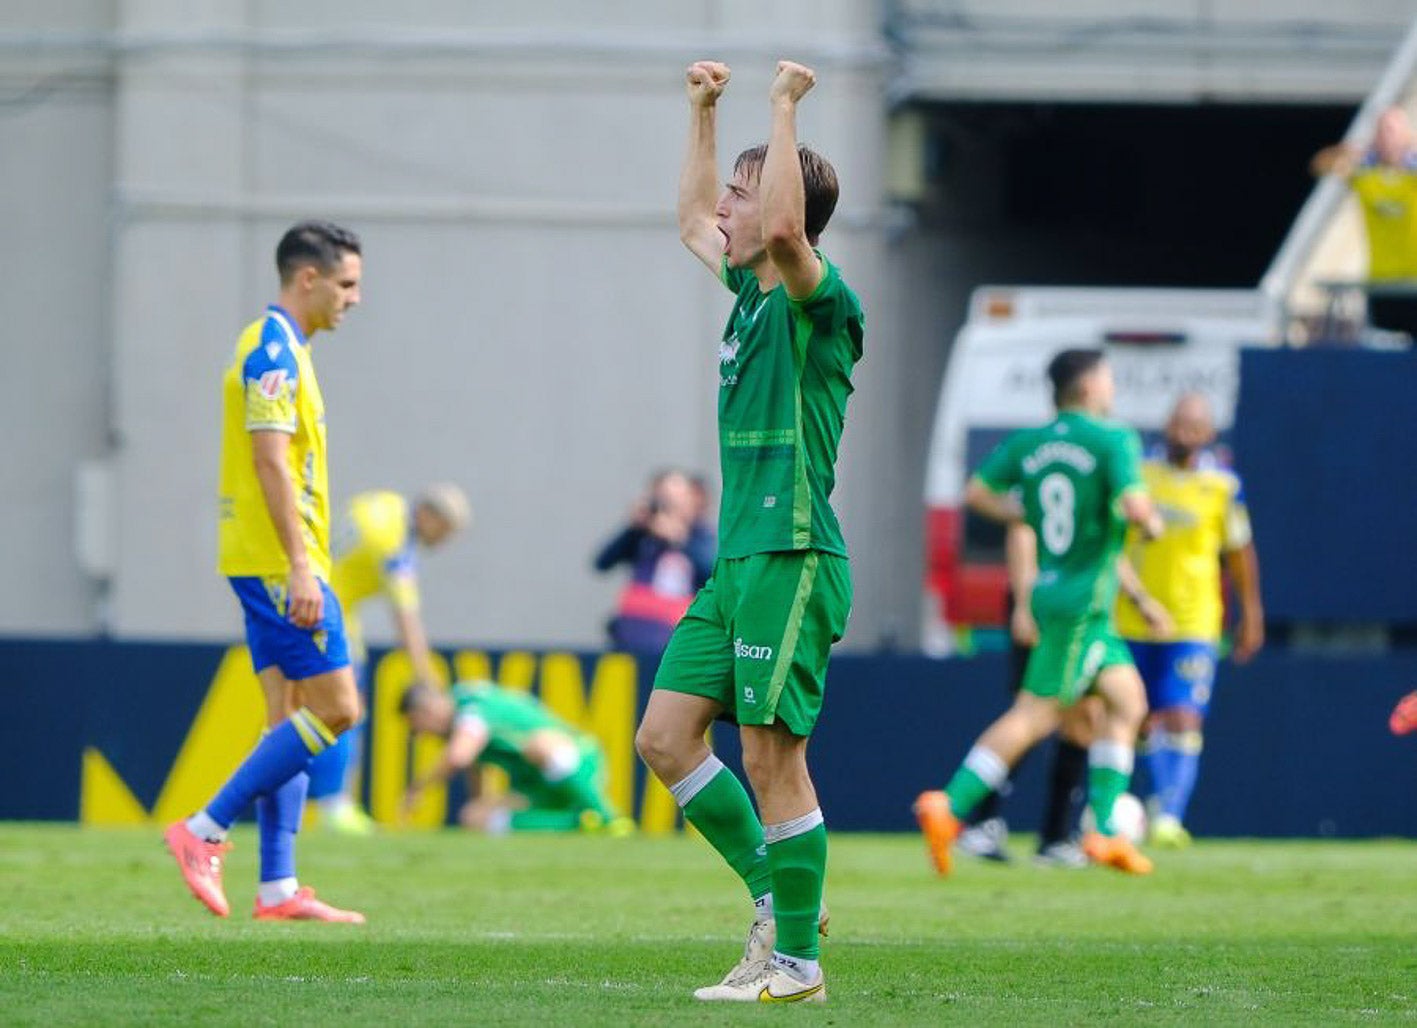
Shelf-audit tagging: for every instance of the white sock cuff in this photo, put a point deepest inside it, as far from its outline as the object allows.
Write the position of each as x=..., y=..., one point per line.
x=693, y=783
x=988, y=765
x=1117, y=756
x=788, y=829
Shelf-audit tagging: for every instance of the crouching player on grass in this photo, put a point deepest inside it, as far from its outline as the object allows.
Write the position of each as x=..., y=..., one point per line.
x=556, y=772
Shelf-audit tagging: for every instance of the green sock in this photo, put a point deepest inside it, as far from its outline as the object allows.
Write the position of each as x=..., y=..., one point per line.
x=1108, y=774
x=982, y=772
x=966, y=791
x=799, y=866
x=724, y=815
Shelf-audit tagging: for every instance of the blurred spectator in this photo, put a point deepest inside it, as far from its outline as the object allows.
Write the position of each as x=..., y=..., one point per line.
x=670, y=558
x=1384, y=179
x=703, y=540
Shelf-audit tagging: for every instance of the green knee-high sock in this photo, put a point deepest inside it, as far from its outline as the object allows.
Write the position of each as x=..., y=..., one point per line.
x=982, y=772
x=797, y=851
x=724, y=815
x=1108, y=774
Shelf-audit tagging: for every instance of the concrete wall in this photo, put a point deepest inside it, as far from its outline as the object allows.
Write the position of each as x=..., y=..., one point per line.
x=1167, y=51
x=56, y=164
x=531, y=326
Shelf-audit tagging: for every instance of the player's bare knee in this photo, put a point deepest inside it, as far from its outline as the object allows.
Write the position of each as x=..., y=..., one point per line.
x=660, y=747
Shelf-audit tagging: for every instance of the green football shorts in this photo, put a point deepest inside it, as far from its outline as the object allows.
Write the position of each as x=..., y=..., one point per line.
x=757, y=636
x=1070, y=654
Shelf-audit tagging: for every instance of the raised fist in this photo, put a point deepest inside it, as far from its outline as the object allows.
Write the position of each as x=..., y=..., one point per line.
x=793, y=81
x=705, y=81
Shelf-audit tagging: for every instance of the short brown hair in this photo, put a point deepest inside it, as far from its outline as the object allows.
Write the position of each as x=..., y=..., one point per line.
x=818, y=182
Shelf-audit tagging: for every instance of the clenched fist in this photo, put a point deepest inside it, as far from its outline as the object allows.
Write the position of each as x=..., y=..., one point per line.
x=793, y=81
x=705, y=81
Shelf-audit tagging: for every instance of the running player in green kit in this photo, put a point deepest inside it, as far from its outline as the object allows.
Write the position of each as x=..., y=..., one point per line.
x=754, y=644
x=1077, y=483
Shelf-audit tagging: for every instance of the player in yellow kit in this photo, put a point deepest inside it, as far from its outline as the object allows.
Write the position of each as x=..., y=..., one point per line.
x=375, y=543
x=274, y=547
x=1203, y=507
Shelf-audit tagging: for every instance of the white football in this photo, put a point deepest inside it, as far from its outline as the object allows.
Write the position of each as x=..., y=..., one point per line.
x=1128, y=818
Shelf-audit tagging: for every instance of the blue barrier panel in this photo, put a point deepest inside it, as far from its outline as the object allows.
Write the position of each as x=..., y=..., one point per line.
x=1325, y=446
x=1297, y=745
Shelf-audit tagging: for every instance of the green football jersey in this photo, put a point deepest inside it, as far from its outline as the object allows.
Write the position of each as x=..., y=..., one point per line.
x=1070, y=474
x=784, y=379
x=511, y=716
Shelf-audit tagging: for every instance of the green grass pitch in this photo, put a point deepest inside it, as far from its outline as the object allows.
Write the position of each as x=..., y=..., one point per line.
x=96, y=928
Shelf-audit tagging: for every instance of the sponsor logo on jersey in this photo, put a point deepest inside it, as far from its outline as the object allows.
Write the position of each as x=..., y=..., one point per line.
x=728, y=351
x=272, y=383
x=746, y=651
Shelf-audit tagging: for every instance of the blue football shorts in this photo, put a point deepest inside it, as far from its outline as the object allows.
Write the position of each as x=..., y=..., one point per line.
x=1177, y=674
x=298, y=652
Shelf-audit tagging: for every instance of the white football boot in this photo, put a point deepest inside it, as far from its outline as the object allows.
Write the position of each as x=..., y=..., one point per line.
x=767, y=983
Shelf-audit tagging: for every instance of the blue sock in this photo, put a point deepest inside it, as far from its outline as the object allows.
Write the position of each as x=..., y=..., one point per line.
x=278, y=817
x=283, y=753
x=1186, y=768
x=329, y=770
x=1161, y=765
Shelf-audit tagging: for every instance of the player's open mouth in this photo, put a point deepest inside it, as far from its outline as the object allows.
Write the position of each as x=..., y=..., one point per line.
x=725, y=238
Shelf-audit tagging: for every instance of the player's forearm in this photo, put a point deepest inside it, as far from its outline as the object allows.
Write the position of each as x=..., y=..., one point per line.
x=784, y=202
x=415, y=644
x=1244, y=568
x=1140, y=511
x=278, y=491
x=1021, y=559
x=1130, y=582
x=979, y=498
x=698, y=180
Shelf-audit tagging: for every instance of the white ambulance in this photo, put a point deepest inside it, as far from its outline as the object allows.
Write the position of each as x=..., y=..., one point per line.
x=1160, y=342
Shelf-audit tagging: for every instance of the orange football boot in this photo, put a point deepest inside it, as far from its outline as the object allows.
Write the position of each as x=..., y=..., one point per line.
x=303, y=906
x=200, y=864
x=939, y=826
x=1115, y=851
x=1404, y=715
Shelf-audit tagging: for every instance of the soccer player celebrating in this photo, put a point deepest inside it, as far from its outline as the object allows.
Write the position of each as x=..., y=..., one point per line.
x=1075, y=482
x=274, y=547
x=755, y=642
x=555, y=770
x=1203, y=506
x=374, y=554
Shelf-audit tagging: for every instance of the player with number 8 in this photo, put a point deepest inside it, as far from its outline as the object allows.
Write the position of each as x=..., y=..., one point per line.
x=1076, y=482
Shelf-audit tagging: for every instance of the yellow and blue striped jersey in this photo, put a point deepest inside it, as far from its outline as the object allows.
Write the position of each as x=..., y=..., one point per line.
x=373, y=552
x=1205, y=515
x=270, y=386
